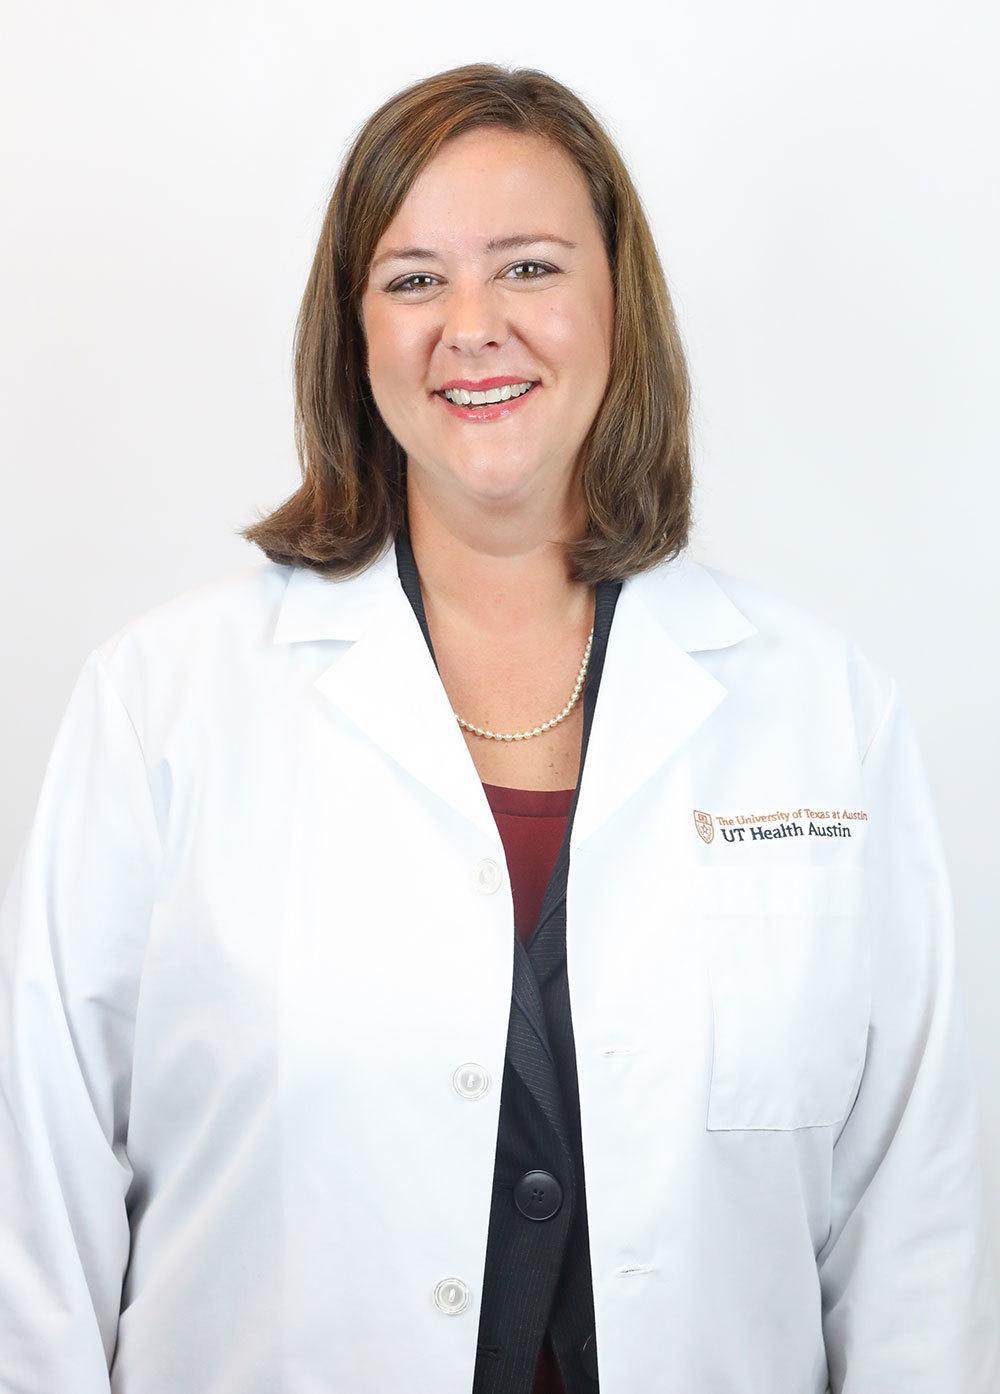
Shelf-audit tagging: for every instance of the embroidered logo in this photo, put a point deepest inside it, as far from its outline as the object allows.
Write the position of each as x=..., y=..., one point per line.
x=766, y=827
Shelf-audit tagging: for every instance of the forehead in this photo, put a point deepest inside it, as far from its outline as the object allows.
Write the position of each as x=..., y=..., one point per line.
x=494, y=182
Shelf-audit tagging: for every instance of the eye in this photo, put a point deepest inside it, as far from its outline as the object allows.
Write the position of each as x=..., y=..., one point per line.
x=529, y=270
x=417, y=280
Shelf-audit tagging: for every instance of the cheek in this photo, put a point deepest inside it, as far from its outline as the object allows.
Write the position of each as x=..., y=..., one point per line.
x=397, y=351
x=580, y=334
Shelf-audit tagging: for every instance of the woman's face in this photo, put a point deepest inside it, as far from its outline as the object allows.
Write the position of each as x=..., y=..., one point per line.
x=492, y=279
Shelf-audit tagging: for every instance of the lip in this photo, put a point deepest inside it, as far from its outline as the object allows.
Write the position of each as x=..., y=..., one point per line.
x=496, y=410
x=484, y=384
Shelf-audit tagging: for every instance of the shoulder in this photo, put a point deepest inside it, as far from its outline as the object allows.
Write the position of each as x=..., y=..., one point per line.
x=258, y=608
x=186, y=653
x=221, y=645
x=245, y=601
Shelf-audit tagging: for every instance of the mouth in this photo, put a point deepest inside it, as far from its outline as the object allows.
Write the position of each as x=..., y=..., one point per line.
x=485, y=401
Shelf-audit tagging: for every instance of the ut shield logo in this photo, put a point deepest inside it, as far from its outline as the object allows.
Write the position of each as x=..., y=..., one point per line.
x=706, y=828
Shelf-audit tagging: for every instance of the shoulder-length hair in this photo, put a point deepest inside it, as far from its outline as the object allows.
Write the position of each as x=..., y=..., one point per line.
x=635, y=462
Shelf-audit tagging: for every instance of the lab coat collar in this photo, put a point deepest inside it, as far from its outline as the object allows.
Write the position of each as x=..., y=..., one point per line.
x=323, y=607
x=653, y=696
x=691, y=605
x=684, y=596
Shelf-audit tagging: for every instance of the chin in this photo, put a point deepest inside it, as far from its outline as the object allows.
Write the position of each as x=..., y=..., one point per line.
x=492, y=476
x=503, y=472
x=498, y=484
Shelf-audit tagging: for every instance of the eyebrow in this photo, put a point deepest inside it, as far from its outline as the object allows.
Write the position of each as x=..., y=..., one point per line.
x=495, y=244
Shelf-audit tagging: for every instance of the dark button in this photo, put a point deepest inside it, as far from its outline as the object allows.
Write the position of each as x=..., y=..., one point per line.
x=589, y=1356
x=538, y=1195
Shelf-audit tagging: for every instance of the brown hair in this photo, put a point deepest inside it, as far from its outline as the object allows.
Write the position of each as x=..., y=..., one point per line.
x=635, y=462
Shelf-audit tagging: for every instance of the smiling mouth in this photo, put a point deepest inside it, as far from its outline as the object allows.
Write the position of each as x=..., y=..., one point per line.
x=471, y=400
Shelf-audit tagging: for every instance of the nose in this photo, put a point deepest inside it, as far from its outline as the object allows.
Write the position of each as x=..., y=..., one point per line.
x=474, y=319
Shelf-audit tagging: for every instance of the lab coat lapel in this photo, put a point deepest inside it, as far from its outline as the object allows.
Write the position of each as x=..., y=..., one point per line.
x=384, y=680
x=654, y=693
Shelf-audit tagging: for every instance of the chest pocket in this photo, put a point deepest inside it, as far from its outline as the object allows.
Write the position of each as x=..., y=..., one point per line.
x=791, y=984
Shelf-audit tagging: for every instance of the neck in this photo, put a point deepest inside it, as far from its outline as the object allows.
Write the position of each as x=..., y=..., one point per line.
x=495, y=575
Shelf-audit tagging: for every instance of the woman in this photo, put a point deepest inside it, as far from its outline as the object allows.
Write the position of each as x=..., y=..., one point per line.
x=294, y=1095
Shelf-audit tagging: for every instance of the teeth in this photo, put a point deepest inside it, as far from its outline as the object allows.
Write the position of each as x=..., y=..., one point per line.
x=461, y=398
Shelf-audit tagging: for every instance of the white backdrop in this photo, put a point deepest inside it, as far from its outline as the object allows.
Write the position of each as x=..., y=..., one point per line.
x=821, y=182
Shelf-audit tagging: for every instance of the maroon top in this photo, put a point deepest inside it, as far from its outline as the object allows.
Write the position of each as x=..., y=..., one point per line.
x=532, y=824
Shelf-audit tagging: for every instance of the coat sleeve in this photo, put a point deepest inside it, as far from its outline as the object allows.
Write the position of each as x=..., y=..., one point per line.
x=72, y=932
x=906, y=1277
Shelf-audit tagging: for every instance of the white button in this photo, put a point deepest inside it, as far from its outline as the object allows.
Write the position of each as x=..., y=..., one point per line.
x=489, y=876
x=451, y=1296
x=471, y=1081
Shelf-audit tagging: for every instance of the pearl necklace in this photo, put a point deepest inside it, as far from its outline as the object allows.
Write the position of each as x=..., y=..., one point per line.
x=546, y=726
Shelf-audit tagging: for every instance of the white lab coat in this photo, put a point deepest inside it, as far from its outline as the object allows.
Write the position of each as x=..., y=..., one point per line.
x=263, y=920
